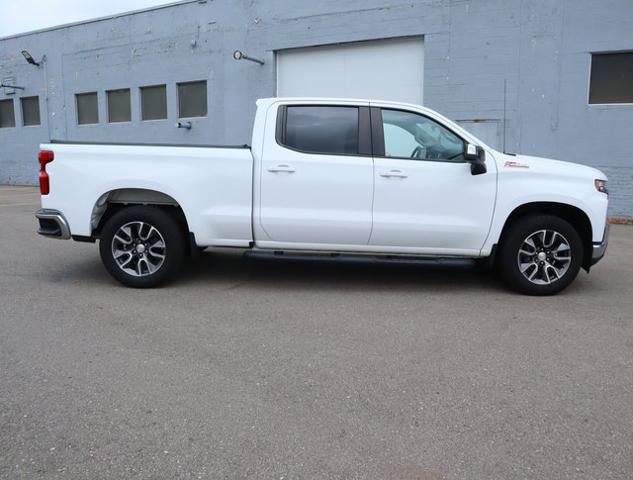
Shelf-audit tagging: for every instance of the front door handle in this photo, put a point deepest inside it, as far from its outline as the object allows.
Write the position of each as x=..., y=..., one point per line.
x=394, y=173
x=282, y=169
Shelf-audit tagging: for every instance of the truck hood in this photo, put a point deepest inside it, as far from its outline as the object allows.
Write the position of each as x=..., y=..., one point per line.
x=529, y=164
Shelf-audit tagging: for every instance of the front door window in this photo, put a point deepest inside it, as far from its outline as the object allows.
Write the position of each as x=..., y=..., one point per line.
x=409, y=135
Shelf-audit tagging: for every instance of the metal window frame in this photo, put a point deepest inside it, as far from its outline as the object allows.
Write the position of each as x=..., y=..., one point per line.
x=140, y=94
x=107, y=103
x=77, y=95
x=39, y=111
x=15, y=123
x=188, y=82
x=603, y=105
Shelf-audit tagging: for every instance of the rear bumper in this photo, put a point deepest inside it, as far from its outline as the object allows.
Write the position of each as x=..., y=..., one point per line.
x=599, y=249
x=52, y=224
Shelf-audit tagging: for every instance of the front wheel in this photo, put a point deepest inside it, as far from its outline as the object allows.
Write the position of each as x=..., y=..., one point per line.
x=540, y=255
x=141, y=246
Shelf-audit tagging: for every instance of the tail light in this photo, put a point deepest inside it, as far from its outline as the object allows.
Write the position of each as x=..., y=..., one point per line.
x=45, y=156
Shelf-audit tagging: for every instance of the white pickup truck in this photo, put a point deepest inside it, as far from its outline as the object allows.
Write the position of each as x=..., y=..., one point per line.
x=329, y=176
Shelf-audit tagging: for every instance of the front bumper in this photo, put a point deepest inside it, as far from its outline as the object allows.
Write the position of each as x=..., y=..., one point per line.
x=600, y=248
x=52, y=224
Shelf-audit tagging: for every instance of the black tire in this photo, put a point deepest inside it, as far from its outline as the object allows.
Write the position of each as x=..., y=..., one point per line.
x=170, y=235
x=512, y=242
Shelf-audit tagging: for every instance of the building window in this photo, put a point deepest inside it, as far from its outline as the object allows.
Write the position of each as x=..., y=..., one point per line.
x=322, y=129
x=7, y=114
x=192, y=99
x=611, y=78
x=30, y=111
x=154, y=102
x=119, y=105
x=87, y=108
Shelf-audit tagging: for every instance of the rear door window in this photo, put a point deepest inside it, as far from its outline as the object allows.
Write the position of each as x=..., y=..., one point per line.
x=322, y=129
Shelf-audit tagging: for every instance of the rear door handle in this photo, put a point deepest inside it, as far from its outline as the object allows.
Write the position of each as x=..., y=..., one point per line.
x=394, y=173
x=282, y=169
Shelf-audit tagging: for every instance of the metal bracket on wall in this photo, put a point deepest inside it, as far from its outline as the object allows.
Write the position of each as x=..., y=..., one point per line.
x=239, y=55
x=9, y=86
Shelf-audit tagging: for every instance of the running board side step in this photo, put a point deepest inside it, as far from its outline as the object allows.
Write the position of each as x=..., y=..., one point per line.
x=357, y=258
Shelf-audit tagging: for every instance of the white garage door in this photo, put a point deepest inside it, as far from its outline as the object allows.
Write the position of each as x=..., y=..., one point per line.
x=379, y=69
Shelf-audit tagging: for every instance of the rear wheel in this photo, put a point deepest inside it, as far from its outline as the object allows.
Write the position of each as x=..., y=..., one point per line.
x=141, y=246
x=540, y=255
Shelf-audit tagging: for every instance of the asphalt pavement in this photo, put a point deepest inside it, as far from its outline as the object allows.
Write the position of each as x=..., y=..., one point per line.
x=247, y=368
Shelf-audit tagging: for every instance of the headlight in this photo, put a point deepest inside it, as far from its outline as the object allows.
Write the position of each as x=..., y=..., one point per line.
x=601, y=186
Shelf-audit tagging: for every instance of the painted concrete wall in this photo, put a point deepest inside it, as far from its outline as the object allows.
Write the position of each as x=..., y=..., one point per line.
x=540, y=49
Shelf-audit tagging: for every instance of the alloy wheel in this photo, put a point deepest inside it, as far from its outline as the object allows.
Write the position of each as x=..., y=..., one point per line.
x=138, y=248
x=544, y=257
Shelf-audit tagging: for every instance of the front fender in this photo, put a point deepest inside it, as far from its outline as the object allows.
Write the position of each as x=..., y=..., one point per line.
x=518, y=190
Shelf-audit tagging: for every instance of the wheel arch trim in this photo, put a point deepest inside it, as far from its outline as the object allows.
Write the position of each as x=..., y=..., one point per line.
x=572, y=214
x=127, y=196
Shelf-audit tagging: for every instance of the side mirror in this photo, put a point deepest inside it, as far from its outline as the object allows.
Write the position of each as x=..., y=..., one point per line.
x=476, y=156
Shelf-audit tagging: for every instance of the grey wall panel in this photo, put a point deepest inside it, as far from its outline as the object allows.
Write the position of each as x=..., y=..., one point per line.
x=539, y=48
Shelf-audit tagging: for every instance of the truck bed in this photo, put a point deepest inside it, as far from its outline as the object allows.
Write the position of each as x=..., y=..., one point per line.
x=213, y=184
